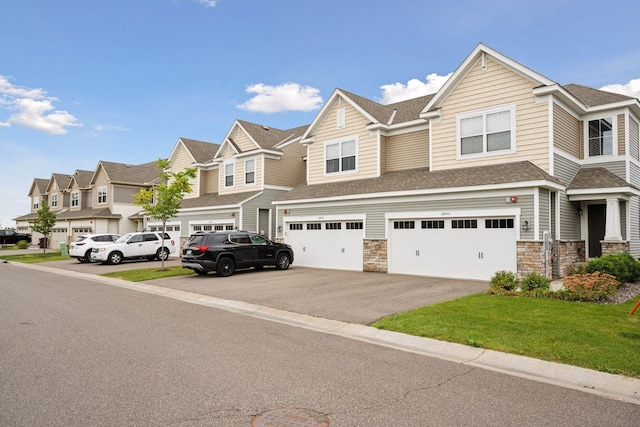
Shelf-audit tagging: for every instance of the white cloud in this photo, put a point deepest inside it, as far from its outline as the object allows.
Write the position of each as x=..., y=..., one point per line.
x=632, y=88
x=207, y=3
x=414, y=88
x=33, y=108
x=284, y=97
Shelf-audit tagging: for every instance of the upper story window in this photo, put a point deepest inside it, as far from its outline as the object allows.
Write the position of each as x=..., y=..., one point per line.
x=36, y=203
x=341, y=156
x=229, y=170
x=487, y=132
x=75, y=199
x=102, y=194
x=250, y=172
x=600, y=136
x=54, y=200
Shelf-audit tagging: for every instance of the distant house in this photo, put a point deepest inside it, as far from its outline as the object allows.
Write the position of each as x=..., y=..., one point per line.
x=501, y=169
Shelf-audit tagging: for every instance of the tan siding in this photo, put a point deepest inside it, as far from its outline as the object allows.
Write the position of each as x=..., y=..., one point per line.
x=367, y=156
x=100, y=181
x=384, y=154
x=621, y=135
x=208, y=181
x=496, y=86
x=181, y=161
x=409, y=151
x=634, y=139
x=566, y=131
x=240, y=178
x=242, y=140
x=228, y=157
x=290, y=170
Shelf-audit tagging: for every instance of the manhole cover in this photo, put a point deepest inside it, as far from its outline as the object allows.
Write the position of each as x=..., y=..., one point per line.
x=290, y=417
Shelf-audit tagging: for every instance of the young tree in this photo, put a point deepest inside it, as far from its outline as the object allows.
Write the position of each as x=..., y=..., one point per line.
x=44, y=223
x=163, y=201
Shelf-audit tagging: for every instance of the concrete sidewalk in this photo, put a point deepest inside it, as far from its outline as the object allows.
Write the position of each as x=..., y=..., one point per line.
x=607, y=385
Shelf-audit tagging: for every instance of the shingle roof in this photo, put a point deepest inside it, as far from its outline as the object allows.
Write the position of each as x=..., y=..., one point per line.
x=83, y=178
x=41, y=184
x=598, y=177
x=423, y=179
x=269, y=137
x=88, y=213
x=201, y=151
x=593, y=97
x=405, y=111
x=61, y=179
x=131, y=174
x=215, y=199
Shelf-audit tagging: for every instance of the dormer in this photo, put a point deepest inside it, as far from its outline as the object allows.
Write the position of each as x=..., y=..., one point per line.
x=199, y=154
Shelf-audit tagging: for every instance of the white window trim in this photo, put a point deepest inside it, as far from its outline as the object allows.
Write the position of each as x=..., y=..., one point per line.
x=77, y=199
x=340, y=141
x=54, y=200
x=233, y=174
x=255, y=175
x=36, y=203
x=102, y=189
x=511, y=108
x=614, y=131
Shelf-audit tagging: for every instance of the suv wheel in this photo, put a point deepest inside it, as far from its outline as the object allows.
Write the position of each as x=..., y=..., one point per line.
x=115, y=258
x=283, y=261
x=226, y=267
x=87, y=256
x=162, y=254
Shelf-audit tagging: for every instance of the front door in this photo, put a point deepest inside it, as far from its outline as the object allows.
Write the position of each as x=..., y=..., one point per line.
x=596, y=223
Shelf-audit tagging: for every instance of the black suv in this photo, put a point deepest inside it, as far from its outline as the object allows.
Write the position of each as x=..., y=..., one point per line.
x=226, y=251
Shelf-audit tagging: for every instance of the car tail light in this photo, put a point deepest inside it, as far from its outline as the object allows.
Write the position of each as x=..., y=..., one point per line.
x=173, y=243
x=78, y=244
x=202, y=248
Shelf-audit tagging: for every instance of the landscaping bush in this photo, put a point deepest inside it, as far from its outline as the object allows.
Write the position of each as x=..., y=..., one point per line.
x=22, y=244
x=623, y=267
x=534, y=282
x=503, y=282
x=591, y=287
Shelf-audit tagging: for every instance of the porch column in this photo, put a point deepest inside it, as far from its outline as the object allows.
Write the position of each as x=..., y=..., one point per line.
x=612, y=222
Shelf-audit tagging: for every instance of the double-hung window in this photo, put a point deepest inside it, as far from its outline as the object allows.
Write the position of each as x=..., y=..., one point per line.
x=102, y=195
x=250, y=172
x=341, y=156
x=600, y=135
x=75, y=199
x=229, y=170
x=487, y=132
x=54, y=200
x=36, y=203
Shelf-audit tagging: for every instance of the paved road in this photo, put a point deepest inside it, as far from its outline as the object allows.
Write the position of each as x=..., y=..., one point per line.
x=77, y=353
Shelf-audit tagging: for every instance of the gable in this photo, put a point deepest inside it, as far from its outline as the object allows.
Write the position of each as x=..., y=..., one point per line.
x=242, y=140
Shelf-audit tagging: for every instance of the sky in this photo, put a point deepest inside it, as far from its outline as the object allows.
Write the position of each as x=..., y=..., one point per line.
x=121, y=80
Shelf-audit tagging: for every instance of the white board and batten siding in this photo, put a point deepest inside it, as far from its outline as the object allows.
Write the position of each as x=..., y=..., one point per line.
x=332, y=242
x=456, y=244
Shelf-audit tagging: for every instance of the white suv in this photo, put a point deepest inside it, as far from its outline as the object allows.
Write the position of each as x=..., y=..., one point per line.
x=81, y=247
x=146, y=244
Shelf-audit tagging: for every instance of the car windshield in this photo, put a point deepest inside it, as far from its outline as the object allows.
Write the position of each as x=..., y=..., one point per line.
x=124, y=238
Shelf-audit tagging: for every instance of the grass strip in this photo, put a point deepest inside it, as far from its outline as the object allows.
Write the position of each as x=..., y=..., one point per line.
x=145, y=274
x=601, y=337
x=33, y=258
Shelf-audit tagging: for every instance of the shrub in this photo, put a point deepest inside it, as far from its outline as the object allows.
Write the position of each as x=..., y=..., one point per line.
x=503, y=282
x=591, y=287
x=22, y=244
x=623, y=267
x=534, y=282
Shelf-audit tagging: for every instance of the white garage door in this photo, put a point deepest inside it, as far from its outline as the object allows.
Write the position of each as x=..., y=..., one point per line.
x=327, y=244
x=173, y=230
x=466, y=248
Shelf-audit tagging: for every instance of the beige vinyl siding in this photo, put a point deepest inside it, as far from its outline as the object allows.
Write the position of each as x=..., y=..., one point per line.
x=634, y=139
x=481, y=89
x=408, y=151
x=102, y=180
x=208, y=181
x=289, y=170
x=621, y=135
x=240, y=178
x=367, y=154
x=566, y=131
x=228, y=158
x=384, y=153
x=181, y=161
x=242, y=140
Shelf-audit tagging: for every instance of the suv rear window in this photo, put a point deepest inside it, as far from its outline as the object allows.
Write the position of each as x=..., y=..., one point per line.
x=206, y=239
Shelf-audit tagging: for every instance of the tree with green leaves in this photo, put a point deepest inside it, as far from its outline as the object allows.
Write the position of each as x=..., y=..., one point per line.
x=44, y=223
x=163, y=201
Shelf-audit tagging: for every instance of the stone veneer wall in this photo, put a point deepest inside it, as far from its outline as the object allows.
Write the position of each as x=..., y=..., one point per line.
x=374, y=255
x=530, y=257
x=614, y=247
x=569, y=253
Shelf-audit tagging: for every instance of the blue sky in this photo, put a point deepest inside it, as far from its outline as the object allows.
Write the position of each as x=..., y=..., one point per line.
x=121, y=80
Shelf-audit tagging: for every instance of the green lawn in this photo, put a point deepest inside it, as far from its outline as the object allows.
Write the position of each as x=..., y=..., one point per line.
x=32, y=258
x=145, y=274
x=601, y=337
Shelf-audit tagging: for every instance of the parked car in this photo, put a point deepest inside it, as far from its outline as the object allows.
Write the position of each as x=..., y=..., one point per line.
x=226, y=251
x=10, y=237
x=82, y=246
x=139, y=245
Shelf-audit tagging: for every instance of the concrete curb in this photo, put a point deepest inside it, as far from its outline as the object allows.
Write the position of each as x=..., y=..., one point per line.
x=600, y=383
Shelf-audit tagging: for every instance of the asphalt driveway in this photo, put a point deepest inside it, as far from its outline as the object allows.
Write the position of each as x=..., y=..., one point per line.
x=349, y=296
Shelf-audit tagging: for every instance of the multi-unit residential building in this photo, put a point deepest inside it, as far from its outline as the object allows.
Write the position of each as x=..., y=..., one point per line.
x=501, y=169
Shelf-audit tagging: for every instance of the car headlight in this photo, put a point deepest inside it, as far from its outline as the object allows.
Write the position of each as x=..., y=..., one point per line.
x=102, y=249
